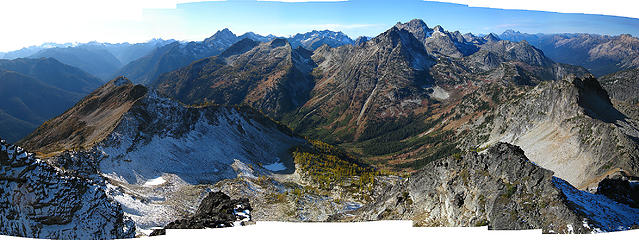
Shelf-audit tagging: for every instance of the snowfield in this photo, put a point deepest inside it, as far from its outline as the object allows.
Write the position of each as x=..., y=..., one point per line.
x=162, y=172
x=604, y=214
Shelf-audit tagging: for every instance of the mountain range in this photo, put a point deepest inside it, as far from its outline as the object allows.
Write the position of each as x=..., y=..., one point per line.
x=99, y=59
x=35, y=90
x=600, y=54
x=416, y=123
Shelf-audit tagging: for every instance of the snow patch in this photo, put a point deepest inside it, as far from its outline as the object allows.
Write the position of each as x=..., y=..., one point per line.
x=154, y=181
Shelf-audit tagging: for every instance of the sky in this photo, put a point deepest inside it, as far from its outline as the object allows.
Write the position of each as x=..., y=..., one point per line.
x=33, y=22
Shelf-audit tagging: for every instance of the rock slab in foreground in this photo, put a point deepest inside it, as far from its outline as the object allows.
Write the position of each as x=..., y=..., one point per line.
x=217, y=210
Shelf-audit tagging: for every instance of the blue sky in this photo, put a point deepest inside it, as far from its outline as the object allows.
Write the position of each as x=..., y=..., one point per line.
x=120, y=20
x=371, y=17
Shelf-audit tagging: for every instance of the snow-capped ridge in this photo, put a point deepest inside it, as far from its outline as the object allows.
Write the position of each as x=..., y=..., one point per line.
x=43, y=201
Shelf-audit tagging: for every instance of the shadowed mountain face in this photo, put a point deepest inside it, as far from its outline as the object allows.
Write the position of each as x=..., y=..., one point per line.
x=271, y=76
x=54, y=73
x=98, y=62
x=600, y=54
x=35, y=90
x=623, y=88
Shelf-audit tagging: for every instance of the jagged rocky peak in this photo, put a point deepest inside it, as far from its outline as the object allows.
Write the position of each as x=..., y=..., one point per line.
x=417, y=27
x=396, y=36
x=491, y=37
x=39, y=200
x=439, y=42
x=222, y=36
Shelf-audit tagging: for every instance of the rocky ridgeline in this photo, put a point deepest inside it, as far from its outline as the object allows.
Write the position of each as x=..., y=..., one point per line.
x=38, y=200
x=500, y=188
x=217, y=210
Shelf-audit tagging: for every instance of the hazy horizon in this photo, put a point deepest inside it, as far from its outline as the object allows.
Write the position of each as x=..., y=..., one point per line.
x=198, y=20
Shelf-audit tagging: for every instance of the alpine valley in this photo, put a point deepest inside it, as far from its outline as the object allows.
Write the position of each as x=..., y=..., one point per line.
x=511, y=131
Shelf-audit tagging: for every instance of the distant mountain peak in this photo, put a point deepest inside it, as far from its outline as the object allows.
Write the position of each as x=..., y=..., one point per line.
x=315, y=39
x=491, y=37
x=510, y=31
x=222, y=36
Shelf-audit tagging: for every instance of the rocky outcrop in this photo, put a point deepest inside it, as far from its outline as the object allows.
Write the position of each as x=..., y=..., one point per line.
x=621, y=188
x=216, y=210
x=499, y=188
x=39, y=200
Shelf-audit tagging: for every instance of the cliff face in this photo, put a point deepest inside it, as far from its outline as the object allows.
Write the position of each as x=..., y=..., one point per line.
x=571, y=128
x=41, y=201
x=623, y=87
